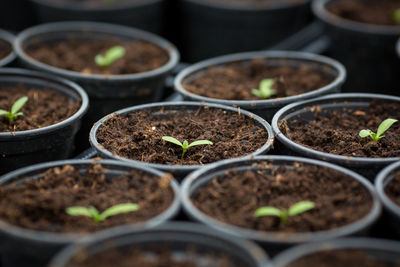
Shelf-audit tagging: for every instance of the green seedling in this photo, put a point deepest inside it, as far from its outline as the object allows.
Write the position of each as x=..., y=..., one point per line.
x=265, y=91
x=185, y=145
x=283, y=214
x=16, y=107
x=99, y=217
x=383, y=127
x=112, y=54
x=396, y=15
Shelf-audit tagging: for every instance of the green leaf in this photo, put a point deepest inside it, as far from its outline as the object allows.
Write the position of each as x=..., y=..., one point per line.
x=267, y=211
x=3, y=112
x=172, y=140
x=18, y=104
x=200, y=142
x=266, y=84
x=265, y=90
x=396, y=15
x=112, y=54
x=118, y=209
x=300, y=207
x=384, y=126
x=185, y=145
x=256, y=92
x=79, y=211
x=365, y=133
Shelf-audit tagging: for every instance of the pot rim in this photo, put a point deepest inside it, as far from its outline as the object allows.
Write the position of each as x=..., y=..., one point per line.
x=381, y=183
x=276, y=237
x=73, y=7
x=62, y=238
x=8, y=37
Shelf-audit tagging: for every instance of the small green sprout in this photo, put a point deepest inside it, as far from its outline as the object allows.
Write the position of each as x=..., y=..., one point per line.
x=265, y=91
x=383, y=127
x=96, y=216
x=296, y=209
x=185, y=144
x=16, y=107
x=396, y=15
x=112, y=54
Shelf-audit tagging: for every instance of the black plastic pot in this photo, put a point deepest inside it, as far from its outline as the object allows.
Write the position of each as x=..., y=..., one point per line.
x=265, y=108
x=24, y=247
x=142, y=14
x=179, y=171
x=272, y=241
x=368, y=167
x=389, y=223
x=8, y=37
x=213, y=28
x=384, y=250
x=398, y=47
x=362, y=48
x=177, y=237
x=44, y=144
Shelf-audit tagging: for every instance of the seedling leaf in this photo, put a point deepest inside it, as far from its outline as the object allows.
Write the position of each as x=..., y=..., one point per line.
x=396, y=15
x=3, y=112
x=118, y=209
x=283, y=214
x=265, y=89
x=111, y=55
x=383, y=127
x=267, y=211
x=96, y=216
x=172, y=140
x=79, y=211
x=200, y=142
x=185, y=145
x=365, y=133
x=300, y=207
x=18, y=104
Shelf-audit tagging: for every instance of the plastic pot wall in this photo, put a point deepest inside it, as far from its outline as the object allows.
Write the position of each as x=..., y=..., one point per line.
x=8, y=37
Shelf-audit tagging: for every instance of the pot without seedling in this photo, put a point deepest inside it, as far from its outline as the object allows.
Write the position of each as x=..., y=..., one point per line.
x=230, y=80
x=7, y=55
x=47, y=129
x=72, y=184
x=136, y=77
x=341, y=252
x=235, y=197
x=141, y=132
x=328, y=128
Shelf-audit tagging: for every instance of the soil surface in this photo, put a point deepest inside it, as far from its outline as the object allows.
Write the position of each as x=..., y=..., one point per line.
x=340, y=258
x=367, y=11
x=235, y=81
x=393, y=189
x=78, y=55
x=337, y=132
x=5, y=48
x=139, y=135
x=41, y=204
x=234, y=197
x=161, y=257
x=43, y=108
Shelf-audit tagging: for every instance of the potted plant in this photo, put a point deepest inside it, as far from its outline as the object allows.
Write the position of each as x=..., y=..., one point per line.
x=363, y=34
x=142, y=14
x=280, y=201
x=47, y=206
x=171, y=244
x=216, y=27
x=7, y=54
x=43, y=126
x=179, y=137
x=341, y=252
x=333, y=129
x=85, y=52
x=236, y=80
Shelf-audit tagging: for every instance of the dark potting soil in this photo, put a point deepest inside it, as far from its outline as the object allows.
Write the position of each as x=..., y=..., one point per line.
x=234, y=197
x=340, y=258
x=43, y=108
x=367, y=11
x=5, y=48
x=41, y=204
x=138, y=135
x=154, y=257
x=78, y=55
x=393, y=189
x=337, y=132
x=235, y=81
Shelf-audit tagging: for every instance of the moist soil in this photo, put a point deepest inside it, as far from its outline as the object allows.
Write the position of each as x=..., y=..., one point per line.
x=366, y=11
x=44, y=107
x=340, y=258
x=337, y=132
x=234, y=197
x=138, y=135
x=393, y=189
x=156, y=257
x=5, y=48
x=235, y=81
x=78, y=55
x=41, y=204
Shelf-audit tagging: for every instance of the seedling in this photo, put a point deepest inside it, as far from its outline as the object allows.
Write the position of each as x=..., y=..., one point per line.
x=283, y=214
x=99, y=217
x=16, y=107
x=383, y=127
x=185, y=145
x=265, y=91
x=112, y=54
x=396, y=15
